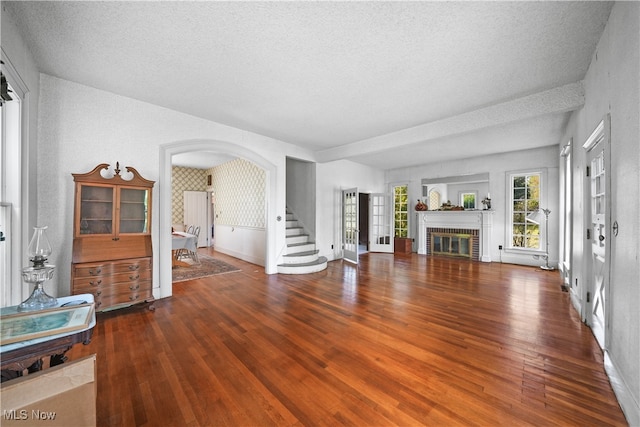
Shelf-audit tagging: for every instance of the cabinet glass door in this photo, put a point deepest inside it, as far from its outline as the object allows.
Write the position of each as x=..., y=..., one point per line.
x=134, y=210
x=96, y=210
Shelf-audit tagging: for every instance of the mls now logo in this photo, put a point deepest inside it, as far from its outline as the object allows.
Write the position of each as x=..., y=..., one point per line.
x=23, y=414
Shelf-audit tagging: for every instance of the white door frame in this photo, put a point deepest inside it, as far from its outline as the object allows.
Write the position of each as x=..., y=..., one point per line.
x=350, y=231
x=598, y=241
x=566, y=158
x=16, y=184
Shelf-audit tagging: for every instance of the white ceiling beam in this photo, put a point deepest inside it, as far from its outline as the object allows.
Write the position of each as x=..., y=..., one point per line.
x=561, y=99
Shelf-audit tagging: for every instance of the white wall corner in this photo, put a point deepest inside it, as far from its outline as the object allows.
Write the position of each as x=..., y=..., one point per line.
x=627, y=401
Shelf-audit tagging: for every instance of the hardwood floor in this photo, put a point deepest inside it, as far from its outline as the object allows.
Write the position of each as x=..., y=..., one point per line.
x=398, y=340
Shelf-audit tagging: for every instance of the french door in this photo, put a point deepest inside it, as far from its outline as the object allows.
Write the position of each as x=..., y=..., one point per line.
x=350, y=232
x=598, y=160
x=380, y=223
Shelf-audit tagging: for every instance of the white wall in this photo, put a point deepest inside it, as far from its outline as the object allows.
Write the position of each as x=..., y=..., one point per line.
x=498, y=167
x=331, y=179
x=240, y=204
x=612, y=86
x=81, y=127
x=248, y=244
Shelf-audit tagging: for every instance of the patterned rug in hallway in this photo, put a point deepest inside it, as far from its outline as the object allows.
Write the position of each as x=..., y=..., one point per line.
x=208, y=267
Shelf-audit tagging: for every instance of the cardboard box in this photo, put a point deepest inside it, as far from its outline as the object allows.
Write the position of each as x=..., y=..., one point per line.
x=64, y=395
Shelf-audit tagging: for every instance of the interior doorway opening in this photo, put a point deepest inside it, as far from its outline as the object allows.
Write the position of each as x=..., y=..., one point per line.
x=367, y=223
x=267, y=246
x=238, y=214
x=363, y=223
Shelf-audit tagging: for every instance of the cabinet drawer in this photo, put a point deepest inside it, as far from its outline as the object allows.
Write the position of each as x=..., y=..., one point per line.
x=104, y=281
x=89, y=283
x=108, y=268
x=130, y=276
x=109, y=288
x=132, y=265
x=106, y=301
x=125, y=287
x=92, y=270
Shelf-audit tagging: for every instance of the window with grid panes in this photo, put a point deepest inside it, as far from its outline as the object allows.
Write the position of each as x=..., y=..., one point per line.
x=401, y=211
x=525, y=200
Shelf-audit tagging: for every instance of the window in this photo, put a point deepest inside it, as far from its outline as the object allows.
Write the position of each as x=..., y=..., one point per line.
x=434, y=200
x=11, y=219
x=400, y=211
x=468, y=200
x=525, y=200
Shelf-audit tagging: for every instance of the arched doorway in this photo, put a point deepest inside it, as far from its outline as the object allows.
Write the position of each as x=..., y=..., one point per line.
x=163, y=255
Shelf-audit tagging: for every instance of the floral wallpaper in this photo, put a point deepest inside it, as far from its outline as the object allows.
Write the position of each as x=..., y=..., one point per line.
x=184, y=179
x=238, y=190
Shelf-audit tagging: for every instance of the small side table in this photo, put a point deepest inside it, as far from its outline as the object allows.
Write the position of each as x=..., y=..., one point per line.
x=29, y=354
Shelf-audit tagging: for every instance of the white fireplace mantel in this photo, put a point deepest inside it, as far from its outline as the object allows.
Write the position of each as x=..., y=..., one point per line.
x=472, y=220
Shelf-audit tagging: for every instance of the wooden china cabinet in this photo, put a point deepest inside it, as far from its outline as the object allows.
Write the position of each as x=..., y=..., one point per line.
x=112, y=254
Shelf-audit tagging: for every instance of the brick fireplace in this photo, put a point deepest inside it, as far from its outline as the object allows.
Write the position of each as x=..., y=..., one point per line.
x=455, y=233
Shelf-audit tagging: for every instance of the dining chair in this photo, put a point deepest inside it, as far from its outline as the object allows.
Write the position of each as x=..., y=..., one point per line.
x=194, y=253
x=183, y=252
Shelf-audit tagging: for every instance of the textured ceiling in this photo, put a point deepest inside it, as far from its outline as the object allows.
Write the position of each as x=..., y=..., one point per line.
x=357, y=80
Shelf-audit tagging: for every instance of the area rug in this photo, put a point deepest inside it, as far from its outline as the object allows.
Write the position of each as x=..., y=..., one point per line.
x=208, y=267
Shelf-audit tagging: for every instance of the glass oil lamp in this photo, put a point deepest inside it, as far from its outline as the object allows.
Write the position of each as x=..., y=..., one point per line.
x=38, y=251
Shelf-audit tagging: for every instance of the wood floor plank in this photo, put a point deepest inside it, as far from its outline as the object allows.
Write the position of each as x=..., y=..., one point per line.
x=396, y=340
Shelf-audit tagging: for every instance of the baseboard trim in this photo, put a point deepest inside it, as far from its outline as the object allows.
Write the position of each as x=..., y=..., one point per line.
x=629, y=405
x=240, y=255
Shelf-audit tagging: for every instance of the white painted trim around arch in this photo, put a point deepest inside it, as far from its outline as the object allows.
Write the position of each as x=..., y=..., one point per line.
x=164, y=189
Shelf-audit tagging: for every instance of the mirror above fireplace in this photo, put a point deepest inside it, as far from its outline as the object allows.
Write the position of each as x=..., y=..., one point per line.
x=465, y=191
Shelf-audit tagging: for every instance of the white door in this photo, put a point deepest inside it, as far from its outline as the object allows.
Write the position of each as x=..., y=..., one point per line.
x=597, y=213
x=196, y=212
x=380, y=223
x=350, y=232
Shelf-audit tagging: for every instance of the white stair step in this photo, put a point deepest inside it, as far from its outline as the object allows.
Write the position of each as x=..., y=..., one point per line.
x=295, y=248
x=302, y=238
x=306, y=268
x=294, y=231
x=301, y=257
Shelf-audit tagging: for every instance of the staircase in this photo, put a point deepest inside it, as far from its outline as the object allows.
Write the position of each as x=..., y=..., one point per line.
x=302, y=255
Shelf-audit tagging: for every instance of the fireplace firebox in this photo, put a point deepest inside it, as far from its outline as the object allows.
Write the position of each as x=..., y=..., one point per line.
x=453, y=242
x=452, y=245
